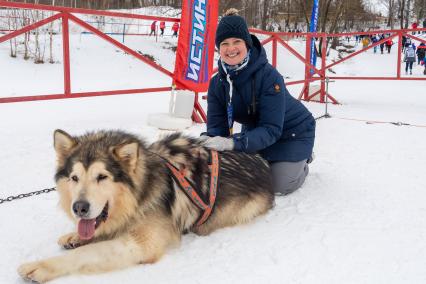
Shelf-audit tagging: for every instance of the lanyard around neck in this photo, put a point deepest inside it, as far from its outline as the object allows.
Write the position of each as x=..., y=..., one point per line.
x=229, y=108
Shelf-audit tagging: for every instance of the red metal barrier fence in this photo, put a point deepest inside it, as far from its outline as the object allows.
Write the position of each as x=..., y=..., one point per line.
x=319, y=74
x=67, y=14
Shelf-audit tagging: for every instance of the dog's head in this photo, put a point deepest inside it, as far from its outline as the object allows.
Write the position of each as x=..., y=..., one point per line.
x=96, y=176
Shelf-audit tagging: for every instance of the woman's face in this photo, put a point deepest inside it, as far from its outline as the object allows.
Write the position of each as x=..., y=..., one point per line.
x=232, y=50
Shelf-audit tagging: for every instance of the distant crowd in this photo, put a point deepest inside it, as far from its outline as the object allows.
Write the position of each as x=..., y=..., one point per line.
x=412, y=53
x=409, y=49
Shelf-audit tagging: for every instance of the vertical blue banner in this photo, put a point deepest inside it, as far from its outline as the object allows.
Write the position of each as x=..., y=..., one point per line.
x=313, y=29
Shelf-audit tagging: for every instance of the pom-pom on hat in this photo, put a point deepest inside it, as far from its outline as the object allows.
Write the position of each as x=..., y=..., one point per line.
x=232, y=25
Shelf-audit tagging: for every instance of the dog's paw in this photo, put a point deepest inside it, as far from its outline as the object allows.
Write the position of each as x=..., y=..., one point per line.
x=37, y=271
x=71, y=241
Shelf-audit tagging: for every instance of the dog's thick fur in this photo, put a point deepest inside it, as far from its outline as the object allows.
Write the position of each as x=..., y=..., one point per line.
x=140, y=211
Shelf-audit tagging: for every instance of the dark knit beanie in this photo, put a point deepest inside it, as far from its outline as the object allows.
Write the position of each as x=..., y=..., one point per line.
x=232, y=25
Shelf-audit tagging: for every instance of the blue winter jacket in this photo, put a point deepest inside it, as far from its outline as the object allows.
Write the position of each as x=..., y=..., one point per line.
x=274, y=124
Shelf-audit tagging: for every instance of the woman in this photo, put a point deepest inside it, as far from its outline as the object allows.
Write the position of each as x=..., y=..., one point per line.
x=248, y=90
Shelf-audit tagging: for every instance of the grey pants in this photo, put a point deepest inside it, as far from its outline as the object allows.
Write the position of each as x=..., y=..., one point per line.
x=288, y=176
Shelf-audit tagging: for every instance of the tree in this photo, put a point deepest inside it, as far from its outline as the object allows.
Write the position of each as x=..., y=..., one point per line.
x=391, y=9
x=420, y=9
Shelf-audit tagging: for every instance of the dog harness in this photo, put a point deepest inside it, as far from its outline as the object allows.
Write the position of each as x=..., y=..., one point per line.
x=195, y=194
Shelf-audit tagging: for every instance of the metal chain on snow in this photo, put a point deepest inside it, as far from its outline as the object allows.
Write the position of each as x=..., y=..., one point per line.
x=23, y=195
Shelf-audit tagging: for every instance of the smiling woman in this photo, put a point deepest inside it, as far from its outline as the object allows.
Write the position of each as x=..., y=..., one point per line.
x=247, y=89
x=232, y=51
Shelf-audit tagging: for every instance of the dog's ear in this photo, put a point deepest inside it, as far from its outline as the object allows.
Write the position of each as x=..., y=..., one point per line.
x=63, y=143
x=127, y=153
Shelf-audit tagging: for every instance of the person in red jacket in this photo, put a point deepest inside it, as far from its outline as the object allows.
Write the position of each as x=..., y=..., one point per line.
x=175, y=29
x=153, y=26
x=162, y=27
x=414, y=27
x=389, y=44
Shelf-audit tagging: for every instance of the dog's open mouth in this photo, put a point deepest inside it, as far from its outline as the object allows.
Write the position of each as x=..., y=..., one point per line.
x=87, y=227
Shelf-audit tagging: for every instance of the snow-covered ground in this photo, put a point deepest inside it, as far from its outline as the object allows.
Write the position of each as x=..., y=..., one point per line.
x=359, y=218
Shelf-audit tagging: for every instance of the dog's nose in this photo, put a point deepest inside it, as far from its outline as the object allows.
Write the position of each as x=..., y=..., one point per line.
x=81, y=208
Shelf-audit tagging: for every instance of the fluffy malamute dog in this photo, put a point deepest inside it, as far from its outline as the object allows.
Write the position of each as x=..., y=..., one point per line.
x=128, y=208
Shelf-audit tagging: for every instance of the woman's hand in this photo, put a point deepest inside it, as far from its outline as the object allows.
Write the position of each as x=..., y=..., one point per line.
x=219, y=143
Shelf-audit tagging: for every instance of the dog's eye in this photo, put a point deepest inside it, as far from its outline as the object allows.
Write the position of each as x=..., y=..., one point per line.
x=101, y=177
x=74, y=178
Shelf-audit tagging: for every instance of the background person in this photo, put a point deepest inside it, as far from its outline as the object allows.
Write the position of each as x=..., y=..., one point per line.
x=424, y=64
x=374, y=39
x=389, y=44
x=162, y=27
x=382, y=45
x=421, y=52
x=175, y=29
x=409, y=59
x=365, y=41
x=407, y=43
x=414, y=27
x=153, y=26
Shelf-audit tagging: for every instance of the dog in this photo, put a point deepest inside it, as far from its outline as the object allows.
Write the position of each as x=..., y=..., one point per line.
x=129, y=208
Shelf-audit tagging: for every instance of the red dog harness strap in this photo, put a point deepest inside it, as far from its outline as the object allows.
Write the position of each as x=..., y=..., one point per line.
x=214, y=180
x=191, y=192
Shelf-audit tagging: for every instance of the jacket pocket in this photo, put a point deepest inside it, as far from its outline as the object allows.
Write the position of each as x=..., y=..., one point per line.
x=303, y=130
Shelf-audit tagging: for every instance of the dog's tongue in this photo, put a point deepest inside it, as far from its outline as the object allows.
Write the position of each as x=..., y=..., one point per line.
x=86, y=228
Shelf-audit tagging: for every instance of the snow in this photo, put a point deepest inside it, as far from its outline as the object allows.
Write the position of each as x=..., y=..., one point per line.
x=360, y=217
